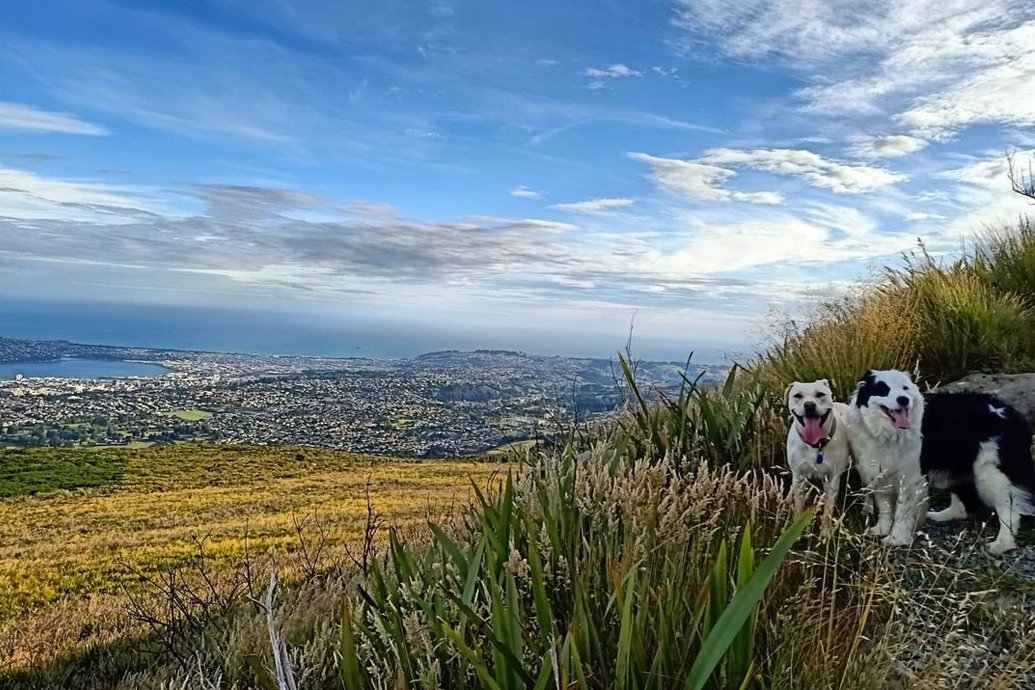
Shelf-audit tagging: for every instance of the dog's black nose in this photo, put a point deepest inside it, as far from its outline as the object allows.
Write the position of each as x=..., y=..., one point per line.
x=903, y=401
x=810, y=407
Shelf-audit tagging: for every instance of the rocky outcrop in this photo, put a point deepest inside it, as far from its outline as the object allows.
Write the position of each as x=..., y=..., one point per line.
x=1016, y=389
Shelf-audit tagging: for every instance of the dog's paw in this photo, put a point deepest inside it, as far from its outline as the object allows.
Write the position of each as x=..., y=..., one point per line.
x=879, y=530
x=1001, y=546
x=897, y=540
x=946, y=515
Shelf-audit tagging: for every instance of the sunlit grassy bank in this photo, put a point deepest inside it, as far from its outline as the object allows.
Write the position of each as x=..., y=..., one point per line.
x=81, y=528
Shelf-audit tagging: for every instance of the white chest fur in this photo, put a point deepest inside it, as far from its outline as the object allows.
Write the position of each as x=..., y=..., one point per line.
x=881, y=451
x=815, y=463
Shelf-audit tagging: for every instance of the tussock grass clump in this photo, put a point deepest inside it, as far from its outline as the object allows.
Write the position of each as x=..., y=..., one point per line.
x=584, y=573
x=1004, y=258
x=730, y=425
x=840, y=341
x=962, y=323
x=941, y=320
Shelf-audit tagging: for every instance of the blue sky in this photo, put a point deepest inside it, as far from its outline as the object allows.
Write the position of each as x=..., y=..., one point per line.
x=537, y=172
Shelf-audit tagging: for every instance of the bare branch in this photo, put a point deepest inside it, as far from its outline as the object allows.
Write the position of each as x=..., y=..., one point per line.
x=374, y=523
x=1021, y=180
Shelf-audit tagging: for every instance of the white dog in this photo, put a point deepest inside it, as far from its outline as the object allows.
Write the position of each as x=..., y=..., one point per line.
x=817, y=443
x=884, y=421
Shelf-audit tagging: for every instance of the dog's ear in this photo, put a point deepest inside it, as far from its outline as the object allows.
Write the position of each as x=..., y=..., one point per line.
x=824, y=382
x=862, y=396
x=787, y=392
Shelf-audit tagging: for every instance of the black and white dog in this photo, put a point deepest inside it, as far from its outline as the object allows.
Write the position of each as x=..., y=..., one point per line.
x=973, y=444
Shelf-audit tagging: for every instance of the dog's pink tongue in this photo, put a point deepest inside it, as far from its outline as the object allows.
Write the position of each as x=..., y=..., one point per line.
x=900, y=418
x=813, y=431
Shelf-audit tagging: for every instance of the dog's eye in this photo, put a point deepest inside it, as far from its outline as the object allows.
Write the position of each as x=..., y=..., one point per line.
x=821, y=395
x=798, y=396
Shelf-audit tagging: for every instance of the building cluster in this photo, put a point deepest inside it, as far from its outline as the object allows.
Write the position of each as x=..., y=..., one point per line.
x=435, y=405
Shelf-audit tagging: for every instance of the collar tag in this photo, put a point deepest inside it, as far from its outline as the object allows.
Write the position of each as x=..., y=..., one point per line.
x=819, y=458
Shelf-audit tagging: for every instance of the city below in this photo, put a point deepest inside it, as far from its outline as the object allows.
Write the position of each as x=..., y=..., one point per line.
x=439, y=404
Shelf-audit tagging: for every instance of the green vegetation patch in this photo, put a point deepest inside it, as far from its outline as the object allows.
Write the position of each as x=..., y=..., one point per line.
x=31, y=471
x=166, y=467
x=512, y=448
x=190, y=415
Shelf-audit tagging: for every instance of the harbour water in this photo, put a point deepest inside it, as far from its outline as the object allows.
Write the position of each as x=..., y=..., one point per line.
x=80, y=369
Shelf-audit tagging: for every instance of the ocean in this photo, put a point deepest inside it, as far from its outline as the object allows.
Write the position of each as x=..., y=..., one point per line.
x=289, y=333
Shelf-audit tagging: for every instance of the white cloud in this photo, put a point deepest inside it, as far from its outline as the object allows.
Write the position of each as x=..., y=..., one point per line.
x=698, y=180
x=26, y=195
x=726, y=248
x=936, y=67
x=978, y=196
x=421, y=133
x=825, y=236
x=546, y=225
x=253, y=238
x=19, y=117
x=371, y=208
x=888, y=146
x=840, y=177
x=991, y=172
x=849, y=220
x=704, y=177
x=806, y=31
x=612, y=72
x=526, y=192
x=999, y=90
x=594, y=205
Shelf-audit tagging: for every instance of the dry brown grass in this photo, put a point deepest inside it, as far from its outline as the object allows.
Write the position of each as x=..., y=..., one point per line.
x=67, y=558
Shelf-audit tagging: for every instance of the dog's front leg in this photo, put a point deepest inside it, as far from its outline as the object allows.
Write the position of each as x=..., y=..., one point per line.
x=799, y=485
x=912, y=503
x=885, y=510
x=831, y=485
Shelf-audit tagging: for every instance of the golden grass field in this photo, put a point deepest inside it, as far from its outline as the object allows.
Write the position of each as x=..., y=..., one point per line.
x=68, y=553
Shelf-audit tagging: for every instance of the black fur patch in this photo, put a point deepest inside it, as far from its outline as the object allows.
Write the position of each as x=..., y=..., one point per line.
x=868, y=387
x=954, y=427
